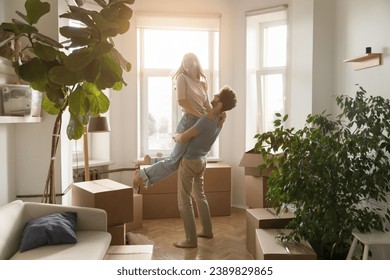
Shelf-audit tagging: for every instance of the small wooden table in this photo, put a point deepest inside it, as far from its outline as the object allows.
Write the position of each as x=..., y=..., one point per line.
x=372, y=238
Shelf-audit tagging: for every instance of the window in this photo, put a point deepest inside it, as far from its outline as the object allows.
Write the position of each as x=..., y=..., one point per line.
x=163, y=41
x=266, y=68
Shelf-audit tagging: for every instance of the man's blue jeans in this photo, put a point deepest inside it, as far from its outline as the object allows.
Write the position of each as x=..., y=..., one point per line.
x=165, y=166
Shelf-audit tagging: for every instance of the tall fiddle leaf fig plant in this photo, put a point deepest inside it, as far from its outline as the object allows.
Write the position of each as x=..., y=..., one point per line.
x=74, y=73
x=335, y=172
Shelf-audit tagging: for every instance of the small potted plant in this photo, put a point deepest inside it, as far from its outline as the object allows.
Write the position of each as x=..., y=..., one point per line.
x=334, y=173
x=72, y=74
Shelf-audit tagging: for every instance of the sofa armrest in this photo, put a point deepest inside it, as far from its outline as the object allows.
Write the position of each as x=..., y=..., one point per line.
x=92, y=219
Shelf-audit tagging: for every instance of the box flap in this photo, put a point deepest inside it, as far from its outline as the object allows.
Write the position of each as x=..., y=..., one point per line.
x=102, y=185
x=252, y=158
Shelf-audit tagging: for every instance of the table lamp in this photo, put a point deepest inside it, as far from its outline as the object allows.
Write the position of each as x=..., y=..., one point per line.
x=96, y=125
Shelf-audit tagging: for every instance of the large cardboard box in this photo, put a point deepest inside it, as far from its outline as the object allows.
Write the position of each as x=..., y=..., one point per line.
x=137, y=211
x=113, y=197
x=264, y=218
x=268, y=247
x=255, y=181
x=220, y=203
x=118, y=234
x=164, y=186
x=256, y=191
x=217, y=177
x=160, y=200
x=160, y=206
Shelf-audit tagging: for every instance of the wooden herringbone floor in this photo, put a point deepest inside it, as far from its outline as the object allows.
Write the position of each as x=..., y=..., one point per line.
x=229, y=242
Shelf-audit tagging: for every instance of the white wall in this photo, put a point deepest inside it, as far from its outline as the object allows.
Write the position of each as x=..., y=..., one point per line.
x=362, y=24
x=25, y=161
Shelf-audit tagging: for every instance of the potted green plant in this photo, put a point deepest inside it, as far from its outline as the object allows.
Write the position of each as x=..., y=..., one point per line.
x=72, y=74
x=334, y=173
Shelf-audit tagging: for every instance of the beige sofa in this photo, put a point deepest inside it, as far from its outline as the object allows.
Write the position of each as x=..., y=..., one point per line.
x=93, y=239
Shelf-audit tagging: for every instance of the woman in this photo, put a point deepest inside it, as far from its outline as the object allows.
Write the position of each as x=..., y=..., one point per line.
x=191, y=88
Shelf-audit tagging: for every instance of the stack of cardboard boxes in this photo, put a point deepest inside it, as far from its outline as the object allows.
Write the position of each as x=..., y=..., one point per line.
x=113, y=197
x=160, y=200
x=263, y=224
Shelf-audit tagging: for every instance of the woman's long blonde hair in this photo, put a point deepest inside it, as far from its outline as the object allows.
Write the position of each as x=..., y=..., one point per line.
x=200, y=73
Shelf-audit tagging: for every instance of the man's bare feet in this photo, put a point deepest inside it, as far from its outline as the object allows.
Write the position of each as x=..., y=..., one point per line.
x=203, y=235
x=185, y=244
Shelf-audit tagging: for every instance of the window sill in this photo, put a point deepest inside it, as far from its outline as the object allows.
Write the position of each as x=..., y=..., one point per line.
x=92, y=163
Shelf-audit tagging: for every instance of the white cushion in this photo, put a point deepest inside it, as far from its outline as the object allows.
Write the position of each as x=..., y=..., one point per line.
x=91, y=245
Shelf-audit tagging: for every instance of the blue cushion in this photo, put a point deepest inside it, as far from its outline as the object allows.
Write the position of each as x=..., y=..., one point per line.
x=58, y=228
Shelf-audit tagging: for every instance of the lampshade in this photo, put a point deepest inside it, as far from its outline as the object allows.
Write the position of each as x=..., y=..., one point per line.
x=98, y=124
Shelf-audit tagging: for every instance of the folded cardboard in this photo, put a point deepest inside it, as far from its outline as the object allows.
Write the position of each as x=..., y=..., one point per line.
x=251, y=161
x=113, y=197
x=137, y=211
x=264, y=218
x=129, y=252
x=268, y=247
x=118, y=234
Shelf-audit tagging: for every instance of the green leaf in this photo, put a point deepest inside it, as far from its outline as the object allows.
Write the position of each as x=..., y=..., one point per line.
x=70, y=32
x=102, y=24
x=33, y=71
x=98, y=101
x=79, y=59
x=49, y=106
x=110, y=72
x=18, y=28
x=62, y=76
x=75, y=128
x=45, y=52
x=121, y=60
x=118, y=85
x=78, y=102
x=79, y=14
x=47, y=40
x=102, y=48
x=36, y=9
x=55, y=95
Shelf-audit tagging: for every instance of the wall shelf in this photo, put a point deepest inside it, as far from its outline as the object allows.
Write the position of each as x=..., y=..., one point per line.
x=12, y=119
x=365, y=61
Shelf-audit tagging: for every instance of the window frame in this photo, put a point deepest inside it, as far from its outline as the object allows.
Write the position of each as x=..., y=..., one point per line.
x=212, y=75
x=256, y=21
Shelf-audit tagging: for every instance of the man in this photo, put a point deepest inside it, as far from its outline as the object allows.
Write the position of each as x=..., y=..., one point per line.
x=202, y=136
x=193, y=164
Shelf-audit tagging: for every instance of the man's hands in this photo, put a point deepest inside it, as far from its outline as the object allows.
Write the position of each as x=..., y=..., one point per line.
x=177, y=137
